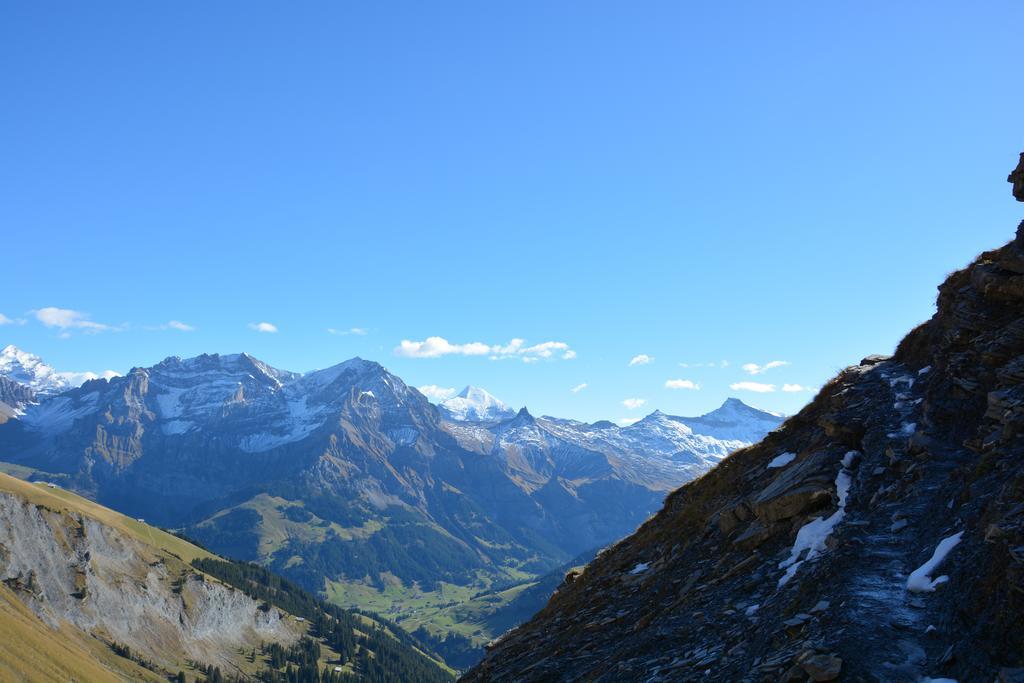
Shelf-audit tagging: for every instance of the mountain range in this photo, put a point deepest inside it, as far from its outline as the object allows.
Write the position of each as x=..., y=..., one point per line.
x=353, y=484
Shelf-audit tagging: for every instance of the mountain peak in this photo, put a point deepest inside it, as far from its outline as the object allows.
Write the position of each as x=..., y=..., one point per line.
x=29, y=370
x=474, y=404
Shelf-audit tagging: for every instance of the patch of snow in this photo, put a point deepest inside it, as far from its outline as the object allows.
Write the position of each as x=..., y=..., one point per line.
x=920, y=580
x=640, y=568
x=925, y=370
x=812, y=536
x=59, y=414
x=850, y=458
x=750, y=610
x=782, y=460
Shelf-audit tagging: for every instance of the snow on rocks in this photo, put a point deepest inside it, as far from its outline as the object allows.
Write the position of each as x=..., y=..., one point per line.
x=782, y=460
x=640, y=568
x=920, y=580
x=812, y=536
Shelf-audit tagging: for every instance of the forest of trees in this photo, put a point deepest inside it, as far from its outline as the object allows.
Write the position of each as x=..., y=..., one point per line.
x=396, y=655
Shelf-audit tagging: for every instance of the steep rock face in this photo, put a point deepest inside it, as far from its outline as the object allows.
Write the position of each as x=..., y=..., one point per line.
x=13, y=398
x=70, y=568
x=876, y=536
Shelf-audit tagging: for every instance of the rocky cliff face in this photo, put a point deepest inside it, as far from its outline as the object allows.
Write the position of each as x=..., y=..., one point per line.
x=70, y=568
x=877, y=536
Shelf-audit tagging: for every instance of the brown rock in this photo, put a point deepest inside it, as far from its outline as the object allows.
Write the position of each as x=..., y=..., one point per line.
x=800, y=487
x=1017, y=178
x=822, y=667
x=755, y=534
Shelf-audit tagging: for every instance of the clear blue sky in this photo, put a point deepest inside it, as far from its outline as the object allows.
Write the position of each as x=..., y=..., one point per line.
x=745, y=181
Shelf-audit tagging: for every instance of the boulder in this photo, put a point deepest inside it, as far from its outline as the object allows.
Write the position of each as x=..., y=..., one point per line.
x=803, y=486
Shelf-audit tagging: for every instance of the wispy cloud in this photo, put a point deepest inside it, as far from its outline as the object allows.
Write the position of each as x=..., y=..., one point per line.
x=681, y=384
x=713, y=364
x=753, y=386
x=263, y=327
x=66, y=319
x=634, y=403
x=358, y=331
x=173, y=325
x=792, y=388
x=578, y=388
x=4, y=320
x=436, y=347
x=436, y=393
x=755, y=369
x=641, y=359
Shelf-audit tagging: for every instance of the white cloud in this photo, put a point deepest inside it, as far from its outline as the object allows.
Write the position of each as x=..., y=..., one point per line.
x=77, y=379
x=755, y=369
x=358, y=331
x=4, y=320
x=626, y=421
x=578, y=388
x=753, y=386
x=435, y=347
x=66, y=319
x=641, y=359
x=634, y=403
x=263, y=327
x=681, y=384
x=180, y=326
x=795, y=387
x=436, y=393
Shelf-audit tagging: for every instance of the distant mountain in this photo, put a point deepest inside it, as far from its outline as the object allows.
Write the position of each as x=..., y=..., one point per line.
x=476, y=405
x=353, y=484
x=29, y=370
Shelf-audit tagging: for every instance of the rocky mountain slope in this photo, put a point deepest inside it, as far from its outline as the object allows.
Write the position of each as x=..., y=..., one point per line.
x=125, y=600
x=347, y=475
x=877, y=536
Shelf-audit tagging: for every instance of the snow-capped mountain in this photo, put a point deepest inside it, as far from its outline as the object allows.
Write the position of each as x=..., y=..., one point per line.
x=662, y=451
x=473, y=404
x=29, y=370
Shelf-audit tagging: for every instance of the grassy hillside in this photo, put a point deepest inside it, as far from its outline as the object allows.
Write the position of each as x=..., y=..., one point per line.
x=32, y=652
x=349, y=647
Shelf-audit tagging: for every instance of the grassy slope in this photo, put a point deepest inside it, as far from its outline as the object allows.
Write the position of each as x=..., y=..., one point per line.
x=61, y=499
x=27, y=642
x=31, y=651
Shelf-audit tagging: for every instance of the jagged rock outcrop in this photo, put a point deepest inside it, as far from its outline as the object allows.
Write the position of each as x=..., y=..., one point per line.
x=877, y=536
x=1017, y=178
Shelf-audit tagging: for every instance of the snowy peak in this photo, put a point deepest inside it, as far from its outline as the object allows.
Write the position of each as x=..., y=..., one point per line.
x=29, y=370
x=735, y=419
x=476, y=405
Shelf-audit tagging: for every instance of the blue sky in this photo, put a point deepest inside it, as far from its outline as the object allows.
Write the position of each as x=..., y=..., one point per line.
x=697, y=183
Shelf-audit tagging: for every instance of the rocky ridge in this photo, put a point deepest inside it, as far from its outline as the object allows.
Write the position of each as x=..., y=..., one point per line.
x=877, y=536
